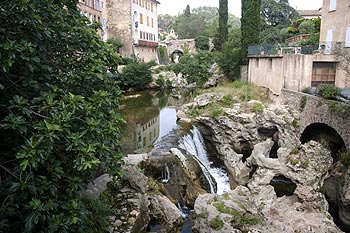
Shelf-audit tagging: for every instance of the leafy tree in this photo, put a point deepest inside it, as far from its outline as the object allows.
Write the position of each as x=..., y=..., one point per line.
x=221, y=36
x=202, y=22
x=250, y=25
x=136, y=75
x=307, y=27
x=59, y=116
x=202, y=42
x=229, y=60
x=116, y=44
x=195, y=68
x=277, y=13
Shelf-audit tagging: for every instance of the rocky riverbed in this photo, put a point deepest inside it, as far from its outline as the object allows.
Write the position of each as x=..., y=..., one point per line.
x=277, y=183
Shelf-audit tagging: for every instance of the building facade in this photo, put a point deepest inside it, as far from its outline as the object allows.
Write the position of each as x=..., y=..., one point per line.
x=135, y=23
x=299, y=71
x=335, y=25
x=92, y=9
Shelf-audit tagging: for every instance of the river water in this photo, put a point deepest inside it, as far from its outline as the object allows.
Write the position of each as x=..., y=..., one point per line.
x=151, y=123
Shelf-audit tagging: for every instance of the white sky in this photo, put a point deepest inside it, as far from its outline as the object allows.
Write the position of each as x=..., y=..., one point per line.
x=173, y=7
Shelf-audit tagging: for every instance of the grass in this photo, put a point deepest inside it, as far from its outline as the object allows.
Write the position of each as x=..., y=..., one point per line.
x=216, y=223
x=233, y=92
x=257, y=108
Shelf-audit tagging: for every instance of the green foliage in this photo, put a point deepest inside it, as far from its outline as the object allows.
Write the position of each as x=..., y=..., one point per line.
x=59, y=112
x=257, y=108
x=229, y=60
x=278, y=18
x=216, y=223
x=307, y=27
x=328, y=91
x=202, y=42
x=160, y=81
x=162, y=52
x=136, y=75
x=216, y=111
x=341, y=109
x=203, y=21
x=195, y=68
x=115, y=44
x=250, y=26
x=344, y=157
x=303, y=102
x=222, y=34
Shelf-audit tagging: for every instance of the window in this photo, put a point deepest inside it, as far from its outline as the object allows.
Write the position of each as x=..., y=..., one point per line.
x=332, y=5
x=152, y=24
x=347, y=37
x=329, y=41
x=141, y=18
x=147, y=21
x=140, y=35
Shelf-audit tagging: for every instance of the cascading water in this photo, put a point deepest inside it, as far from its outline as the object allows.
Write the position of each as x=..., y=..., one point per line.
x=166, y=174
x=193, y=144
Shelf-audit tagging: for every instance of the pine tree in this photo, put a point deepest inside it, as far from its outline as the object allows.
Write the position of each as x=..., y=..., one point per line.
x=250, y=25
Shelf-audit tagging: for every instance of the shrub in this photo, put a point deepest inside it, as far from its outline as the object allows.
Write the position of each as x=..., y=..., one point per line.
x=229, y=60
x=169, y=83
x=136, y=75
x=328, y=91
x=216, y=223
x=195, y=68
x=202, y=42
x=302, y=104
x=344, y=157
x=160, y=81
x=257, y=108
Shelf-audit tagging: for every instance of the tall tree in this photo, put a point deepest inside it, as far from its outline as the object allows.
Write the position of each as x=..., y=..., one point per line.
x=222, y=30
x=250, y=26
x=187, y=12
x=59, y=121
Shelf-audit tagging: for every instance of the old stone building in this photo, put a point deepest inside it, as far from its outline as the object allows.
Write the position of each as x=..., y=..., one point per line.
x=135, y=23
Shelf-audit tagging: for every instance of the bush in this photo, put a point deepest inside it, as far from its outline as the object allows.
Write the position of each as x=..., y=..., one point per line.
x=202, y=42
x=195, y=68
x=328, y=91
x=344, y=157
x=257, y=108
x=136, y=75
x=303, y=102
x=229, y=60
x=216, y=223
x=160, y=81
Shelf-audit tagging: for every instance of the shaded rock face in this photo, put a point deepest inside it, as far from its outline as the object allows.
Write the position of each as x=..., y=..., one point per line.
x=261, y=152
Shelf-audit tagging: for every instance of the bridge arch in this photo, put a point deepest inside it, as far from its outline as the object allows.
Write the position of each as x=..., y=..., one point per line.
x=175, y=55
x=324, y=134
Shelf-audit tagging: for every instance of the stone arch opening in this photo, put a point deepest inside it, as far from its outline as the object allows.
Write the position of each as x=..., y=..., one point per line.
x=325, y=135
x=175, y=56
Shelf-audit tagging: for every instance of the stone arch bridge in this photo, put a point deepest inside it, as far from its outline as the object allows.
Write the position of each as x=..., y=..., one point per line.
x=319, y=111
x=180, y=47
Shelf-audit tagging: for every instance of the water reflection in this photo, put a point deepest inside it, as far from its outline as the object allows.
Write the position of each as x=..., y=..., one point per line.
x=147, y=120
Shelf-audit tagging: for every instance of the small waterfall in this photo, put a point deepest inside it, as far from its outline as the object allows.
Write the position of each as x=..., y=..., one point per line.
x=194, y=145
x=185, y=211
x=165, y=174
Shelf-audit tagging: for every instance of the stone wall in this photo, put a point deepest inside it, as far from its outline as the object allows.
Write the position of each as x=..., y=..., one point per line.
x=119, y=23
x=319, y=110
x=290, y=71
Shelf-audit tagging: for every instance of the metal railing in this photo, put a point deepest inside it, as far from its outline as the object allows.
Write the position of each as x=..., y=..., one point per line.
x=264, y=50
